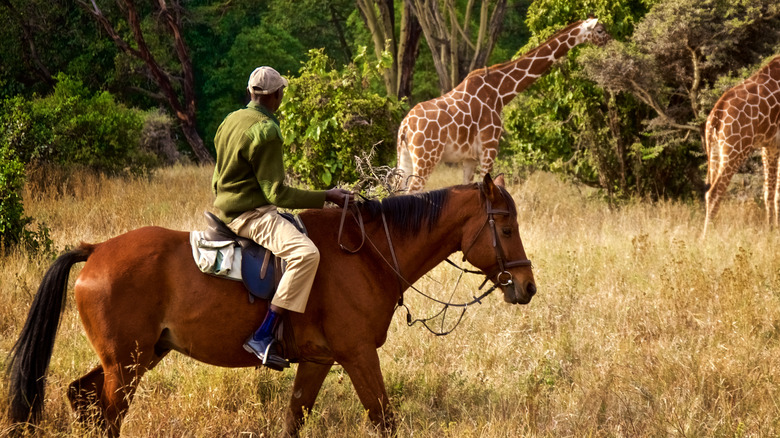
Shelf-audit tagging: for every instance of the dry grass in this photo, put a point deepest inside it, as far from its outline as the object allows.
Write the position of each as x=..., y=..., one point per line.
x=639, y=328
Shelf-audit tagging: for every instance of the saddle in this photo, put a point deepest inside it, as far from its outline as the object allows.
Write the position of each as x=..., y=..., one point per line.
x=251, y=263
x=254, y=265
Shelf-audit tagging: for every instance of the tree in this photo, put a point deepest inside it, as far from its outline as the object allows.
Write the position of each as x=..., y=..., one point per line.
x=564, y=122
x=26, y=33
x=672, y=63
x=330, y=116
x=379, y=18
x=183, y=106
x=458, y=44
x=679, y=49
x=316, y=24
x=31, y=57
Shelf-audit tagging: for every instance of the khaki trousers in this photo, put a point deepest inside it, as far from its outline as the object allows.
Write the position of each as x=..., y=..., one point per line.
x=266, y=227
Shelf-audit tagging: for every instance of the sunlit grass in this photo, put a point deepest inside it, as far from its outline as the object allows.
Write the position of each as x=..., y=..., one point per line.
x=639, y=328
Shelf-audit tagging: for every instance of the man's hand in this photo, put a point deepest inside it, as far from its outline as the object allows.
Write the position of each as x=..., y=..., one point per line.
x=339, y=196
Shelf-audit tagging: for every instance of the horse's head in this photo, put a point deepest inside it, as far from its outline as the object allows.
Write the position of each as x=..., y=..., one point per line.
x=491, y=242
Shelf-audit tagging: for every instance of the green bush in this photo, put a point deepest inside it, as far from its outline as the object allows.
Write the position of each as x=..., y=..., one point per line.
x=12, y=219
x=329, y=117
x=72, y=127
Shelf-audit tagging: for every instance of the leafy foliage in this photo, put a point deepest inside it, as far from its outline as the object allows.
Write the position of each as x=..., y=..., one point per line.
x=637, y=132
x=329, y=117
x=12, y=219
x=671, y=66
x=562, y=122
x=14, y=225
x=69, y=127
x=72, y=127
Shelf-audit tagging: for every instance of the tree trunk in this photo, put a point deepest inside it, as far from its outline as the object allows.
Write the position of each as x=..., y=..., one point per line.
x=196, y=142
x=183, y=107
x=381, y=27
x=617, y=137
x=455, y=55
x=336, y=20
x=379, y=18
x=27, y=36
x=408, y=50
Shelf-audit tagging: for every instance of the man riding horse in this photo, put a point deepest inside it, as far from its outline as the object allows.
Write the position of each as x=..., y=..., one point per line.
x=249, y=185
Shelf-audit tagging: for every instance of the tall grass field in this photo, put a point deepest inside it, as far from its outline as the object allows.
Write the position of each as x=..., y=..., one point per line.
x=639, y=327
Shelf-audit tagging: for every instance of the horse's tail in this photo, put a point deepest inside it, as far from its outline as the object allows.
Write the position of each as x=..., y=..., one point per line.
x=30, y=356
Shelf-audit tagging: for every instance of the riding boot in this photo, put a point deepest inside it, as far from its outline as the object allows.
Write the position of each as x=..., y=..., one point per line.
x=263, y=344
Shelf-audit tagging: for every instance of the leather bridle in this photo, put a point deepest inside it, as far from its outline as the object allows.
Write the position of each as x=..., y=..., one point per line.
x=501, y=273
x=503, y=264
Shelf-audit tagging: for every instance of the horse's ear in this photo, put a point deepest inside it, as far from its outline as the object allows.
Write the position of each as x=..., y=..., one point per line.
x=491, y=191
x=499, y=181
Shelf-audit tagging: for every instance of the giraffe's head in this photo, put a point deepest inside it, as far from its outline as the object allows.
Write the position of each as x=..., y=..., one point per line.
x=595, y=32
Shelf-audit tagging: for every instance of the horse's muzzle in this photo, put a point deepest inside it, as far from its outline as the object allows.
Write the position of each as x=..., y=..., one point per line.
x=519, y=293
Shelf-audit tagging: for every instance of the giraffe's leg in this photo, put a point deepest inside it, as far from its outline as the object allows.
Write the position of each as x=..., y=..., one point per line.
x=718, y=189
x=777, y=193
x=489, y=153
x=404, y=164
x=424, y=160
x=769, y=156
x=712, y=147
x=468, y=170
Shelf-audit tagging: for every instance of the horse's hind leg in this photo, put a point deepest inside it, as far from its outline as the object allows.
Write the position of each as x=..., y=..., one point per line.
x=308, y=381
x=102, y=396
x=120, y=381
x=84, y=395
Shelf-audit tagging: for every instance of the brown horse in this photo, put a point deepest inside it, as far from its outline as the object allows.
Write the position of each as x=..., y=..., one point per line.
x=140, y=295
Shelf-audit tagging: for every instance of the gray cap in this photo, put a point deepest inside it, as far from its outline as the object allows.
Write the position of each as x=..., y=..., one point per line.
x=265, y=80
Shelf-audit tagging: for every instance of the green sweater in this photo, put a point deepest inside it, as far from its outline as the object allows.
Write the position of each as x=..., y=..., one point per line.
x=249, y=172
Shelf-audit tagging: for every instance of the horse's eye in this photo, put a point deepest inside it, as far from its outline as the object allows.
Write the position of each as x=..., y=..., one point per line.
x=507, y=231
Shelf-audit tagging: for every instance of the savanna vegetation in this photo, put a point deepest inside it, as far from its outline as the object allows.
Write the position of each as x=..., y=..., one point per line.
x=107, y=117
x=638, y=329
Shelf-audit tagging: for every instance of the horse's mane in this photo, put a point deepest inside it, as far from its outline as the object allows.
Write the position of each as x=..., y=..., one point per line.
x=409, y=213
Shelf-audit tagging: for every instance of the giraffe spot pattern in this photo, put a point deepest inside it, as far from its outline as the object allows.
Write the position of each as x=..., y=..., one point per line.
x=745, y=118
x=465, y=123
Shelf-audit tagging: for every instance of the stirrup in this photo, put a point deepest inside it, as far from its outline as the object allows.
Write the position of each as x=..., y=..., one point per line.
x=269, y=356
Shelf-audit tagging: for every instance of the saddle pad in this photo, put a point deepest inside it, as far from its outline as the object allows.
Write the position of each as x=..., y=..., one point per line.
x=240, y=259
x=220, y=258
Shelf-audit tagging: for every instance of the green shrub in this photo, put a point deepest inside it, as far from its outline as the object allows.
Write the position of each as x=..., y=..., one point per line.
x=73, y=127
x=329, y=117
x=12, y=218
x=70, y=127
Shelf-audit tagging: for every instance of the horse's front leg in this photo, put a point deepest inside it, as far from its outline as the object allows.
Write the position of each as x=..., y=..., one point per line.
x=308, y=381
x=366, y=375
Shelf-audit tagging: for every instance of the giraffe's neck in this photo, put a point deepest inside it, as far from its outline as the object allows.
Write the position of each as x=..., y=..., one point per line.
x=512, y=77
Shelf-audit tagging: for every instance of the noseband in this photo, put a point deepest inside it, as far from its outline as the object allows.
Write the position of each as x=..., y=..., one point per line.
x=502, y=275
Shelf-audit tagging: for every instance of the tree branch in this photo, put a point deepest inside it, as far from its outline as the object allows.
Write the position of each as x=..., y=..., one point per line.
x=183, y=108
x=647, y=98
x=39, y=66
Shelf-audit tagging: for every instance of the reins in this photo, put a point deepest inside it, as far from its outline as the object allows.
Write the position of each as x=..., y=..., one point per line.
x=502, y=265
